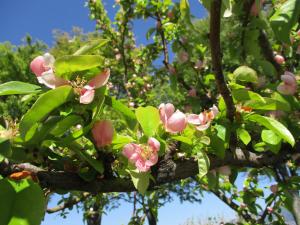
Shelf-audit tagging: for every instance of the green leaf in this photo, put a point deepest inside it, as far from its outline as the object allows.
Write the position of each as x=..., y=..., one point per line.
x=18, y=88
x=120, y=140
x=269, y=104
x=92, y=45
x=222, y=132
x=243, y=135
x=123, y=109
x=185, y=12
x=96, y=164
x=284, y=19
x=44, y=105
x=217, y=146
x=22, y=202
x=65, y=124
x=270, y=137
x=243, y=95
x=245, y=74
x=140, y=180
x=182, y=139
x=149, y=119
x=272, y=124
x=69, y=64
x=203, y=163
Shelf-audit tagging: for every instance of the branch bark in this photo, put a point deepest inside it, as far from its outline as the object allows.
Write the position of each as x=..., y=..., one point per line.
x=183, y=168
x=214, y=36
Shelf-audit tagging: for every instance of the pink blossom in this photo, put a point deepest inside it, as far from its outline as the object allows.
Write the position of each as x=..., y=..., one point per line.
x=87, y=93
x=192, y=92
x=289, y=85
x=183, y=56
x=142, y=156
x=103, y=132
x=173, y=121
x=42, y=67
x=298, y=32
x=203, y=120
x=170, y=15
x=279, y=59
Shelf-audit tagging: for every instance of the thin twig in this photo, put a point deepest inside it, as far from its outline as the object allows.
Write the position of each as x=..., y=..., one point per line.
x=69, y=203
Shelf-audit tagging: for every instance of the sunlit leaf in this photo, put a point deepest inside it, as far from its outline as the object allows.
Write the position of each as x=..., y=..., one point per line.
x=149, y=119
x=44, y=105
x=16, y=197
x=18, y=88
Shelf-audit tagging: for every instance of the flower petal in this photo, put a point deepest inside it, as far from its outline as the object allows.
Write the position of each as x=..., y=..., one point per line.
x=100, y=79
x=86, y=96
x=49, y=79
x=37, y=65
x=193, y=119
x=177, y=122
x=154, y=144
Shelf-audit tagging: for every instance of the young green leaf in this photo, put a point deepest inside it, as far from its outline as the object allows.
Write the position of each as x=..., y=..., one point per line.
x=69, y=64
x=44, y=105
x=284, y=19
x=15, y=199
x=18, y=88
x=272, y=124
x=92, y=45
x=123, y=109
x=148, y=118
x=270, y=137
x=203, y=163
x=243, y=135
x=245, y=74
x=140, y=180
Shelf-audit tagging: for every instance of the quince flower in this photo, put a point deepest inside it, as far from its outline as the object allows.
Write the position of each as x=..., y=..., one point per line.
x=142, y=156
x=173, y=121
x=203, y=120
x=42, y=67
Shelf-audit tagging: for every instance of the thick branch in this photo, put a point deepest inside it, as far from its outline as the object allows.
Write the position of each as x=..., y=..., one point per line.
x=183, y=168
x=215, y=21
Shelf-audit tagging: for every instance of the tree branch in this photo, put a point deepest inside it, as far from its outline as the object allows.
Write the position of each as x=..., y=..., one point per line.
x=69, y=203
x=183, y=168
x=268, y=52
x=215, y=20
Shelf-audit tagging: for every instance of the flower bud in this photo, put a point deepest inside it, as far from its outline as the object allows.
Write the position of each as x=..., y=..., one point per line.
x=279, y=59
x=103, y=132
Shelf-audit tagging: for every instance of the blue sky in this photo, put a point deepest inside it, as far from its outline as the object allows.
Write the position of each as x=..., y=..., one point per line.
x=38, y=18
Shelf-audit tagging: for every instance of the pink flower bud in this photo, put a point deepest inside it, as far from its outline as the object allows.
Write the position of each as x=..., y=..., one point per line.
x=103, y=132
x=274, y=188
x=173, y=121
x=279, y=59
x=192, y=92
x=298, y=33
x=183, y=56
x=131, y=104
x=243, y=205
